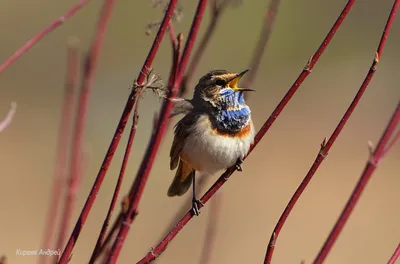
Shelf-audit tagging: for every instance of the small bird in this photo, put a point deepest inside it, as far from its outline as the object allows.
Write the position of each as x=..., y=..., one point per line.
x=215, y=133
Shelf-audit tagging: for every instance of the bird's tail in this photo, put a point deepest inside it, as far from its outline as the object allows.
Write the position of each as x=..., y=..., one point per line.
x=182, y=180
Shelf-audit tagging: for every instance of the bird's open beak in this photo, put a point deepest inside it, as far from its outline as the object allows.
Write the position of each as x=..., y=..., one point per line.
x=234, y=82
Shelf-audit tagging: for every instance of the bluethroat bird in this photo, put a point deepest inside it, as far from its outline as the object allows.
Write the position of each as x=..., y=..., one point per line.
x=215, y=133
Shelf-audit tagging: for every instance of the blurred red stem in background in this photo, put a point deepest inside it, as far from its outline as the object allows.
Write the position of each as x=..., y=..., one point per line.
x=10, y=114
x=105, y=249
x=370, y=167
x=211, y=231
x=103, y=231
x=269, y=22
x=225, y=176
x=63, y=146
x=216, y=12
x=33, y=41
x=395, y=256
x=76, y=168
x=326, y=146
x=177, y=71
x=88, y=79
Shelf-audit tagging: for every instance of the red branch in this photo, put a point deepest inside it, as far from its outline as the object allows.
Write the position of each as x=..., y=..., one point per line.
x=176, y=55
x=265, y=34
x=326, y=146
x=117, y=222
x=10, y=114
x=105, y=249
x=151, y=152
x=216, y=12
x=88, y=78
x=211, y=232
x=33, y=41
x=225, y=176
x=395, y=256
x=370, y=167
x=172, y=36
x=76, y=168
x=71, y=83
x=103, y=231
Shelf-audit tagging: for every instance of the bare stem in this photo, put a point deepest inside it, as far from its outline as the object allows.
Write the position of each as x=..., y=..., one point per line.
x=269, y=22
x=370, y=167
x=172, y=36
x=76, y=167
x=211, y=232
x=103, y=231
x=325, y=147
x=151, y=152
x=87, y=82
x=395, y=256
x=33, y=41
x=216, y=12
x=65, y=129
x=268, y=123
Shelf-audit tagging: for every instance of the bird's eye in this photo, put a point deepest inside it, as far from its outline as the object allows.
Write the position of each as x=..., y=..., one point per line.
x=220, y=82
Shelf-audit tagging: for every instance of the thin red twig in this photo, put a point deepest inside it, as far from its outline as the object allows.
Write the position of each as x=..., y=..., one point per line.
x=113, y=231
x=395, y=256
x=63, y=147
x=88, y=78
x=76, y=166
x=326, y=146
x=151, y=152
x=268, y=123
x=216, y=12
x=190, y=41
x=120, y=128
x=10, y=114
x=33, y=41
x=103, y=231
x=370, y=167
x=172, y=36
x=176, y=55
x=117, y=221
x=211, y=232
x=269, y=22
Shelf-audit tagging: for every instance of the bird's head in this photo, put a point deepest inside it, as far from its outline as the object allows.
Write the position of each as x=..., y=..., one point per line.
x=219, y=88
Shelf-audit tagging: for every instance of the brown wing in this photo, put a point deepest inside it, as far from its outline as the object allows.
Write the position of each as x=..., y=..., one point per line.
x=182, y=131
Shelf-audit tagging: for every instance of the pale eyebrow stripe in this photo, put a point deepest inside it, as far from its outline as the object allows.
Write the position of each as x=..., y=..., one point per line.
x=224, y=76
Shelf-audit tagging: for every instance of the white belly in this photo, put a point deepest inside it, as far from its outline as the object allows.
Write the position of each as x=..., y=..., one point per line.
x=206, y=151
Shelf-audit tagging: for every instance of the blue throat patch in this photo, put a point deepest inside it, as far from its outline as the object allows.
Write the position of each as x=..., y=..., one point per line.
x=233, y=114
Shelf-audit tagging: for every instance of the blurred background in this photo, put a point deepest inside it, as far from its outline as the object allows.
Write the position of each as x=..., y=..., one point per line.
x=250, y=203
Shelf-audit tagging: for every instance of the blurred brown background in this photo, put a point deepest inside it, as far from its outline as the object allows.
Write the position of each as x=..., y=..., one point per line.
x=252, y=201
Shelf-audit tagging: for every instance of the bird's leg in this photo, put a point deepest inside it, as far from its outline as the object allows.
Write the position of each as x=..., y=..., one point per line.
x=239, y=164
x=195, y=202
